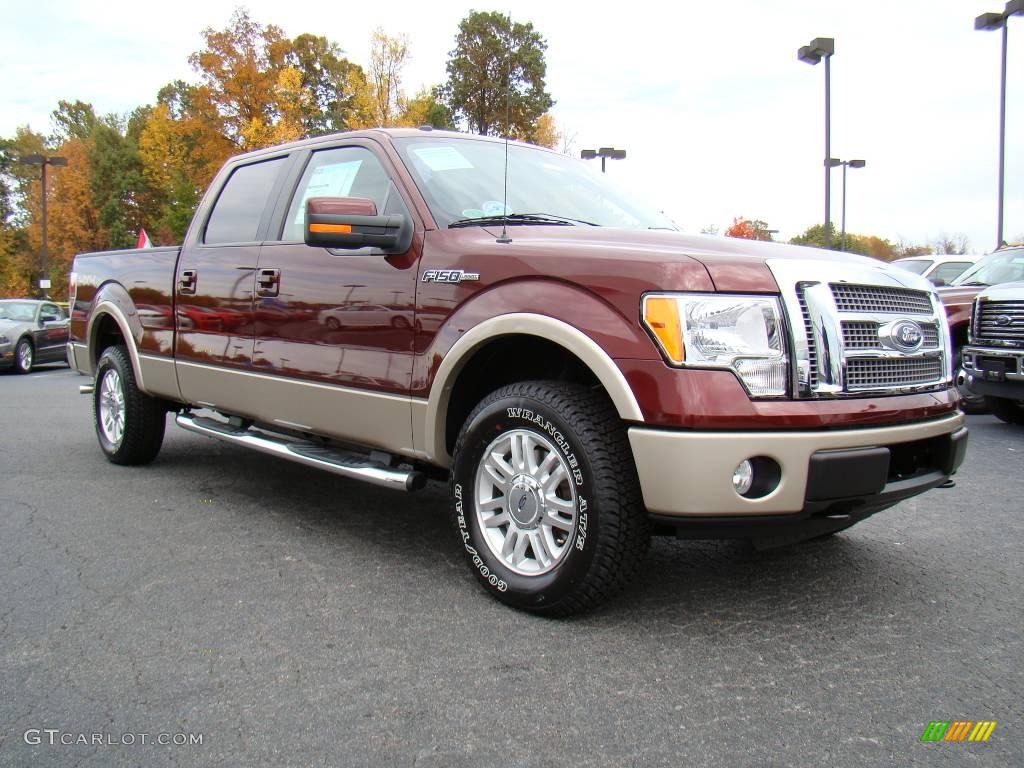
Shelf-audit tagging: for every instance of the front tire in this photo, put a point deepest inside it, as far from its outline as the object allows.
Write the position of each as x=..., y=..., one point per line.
x=24, y=356
x=129, y=423
x=1010, y=411
x=546, y=498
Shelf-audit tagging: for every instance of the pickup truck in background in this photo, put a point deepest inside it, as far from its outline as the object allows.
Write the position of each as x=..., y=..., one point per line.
x=1001, y=266
x=581, y=373
x=994, y=356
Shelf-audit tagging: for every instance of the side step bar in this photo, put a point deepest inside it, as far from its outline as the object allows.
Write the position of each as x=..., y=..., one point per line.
x=339, y=462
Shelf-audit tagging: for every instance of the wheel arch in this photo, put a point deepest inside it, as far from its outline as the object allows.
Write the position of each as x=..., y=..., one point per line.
x=556, y=349
x=109, y=324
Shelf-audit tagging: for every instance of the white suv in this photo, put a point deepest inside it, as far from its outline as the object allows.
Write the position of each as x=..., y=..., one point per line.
x=940, y=269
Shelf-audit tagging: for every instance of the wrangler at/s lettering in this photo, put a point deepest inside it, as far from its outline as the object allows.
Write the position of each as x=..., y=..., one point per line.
x=586, y=376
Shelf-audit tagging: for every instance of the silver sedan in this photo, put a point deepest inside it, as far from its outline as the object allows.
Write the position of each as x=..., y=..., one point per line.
x=31, y=332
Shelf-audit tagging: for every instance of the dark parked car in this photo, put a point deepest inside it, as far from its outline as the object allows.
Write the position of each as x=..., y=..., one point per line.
x=31, y=332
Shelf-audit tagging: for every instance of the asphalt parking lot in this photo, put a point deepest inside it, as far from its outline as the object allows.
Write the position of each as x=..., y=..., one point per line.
x=292, y=618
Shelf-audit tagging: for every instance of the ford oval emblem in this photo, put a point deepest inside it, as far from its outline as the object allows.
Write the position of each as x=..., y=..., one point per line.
x=902, y=335
x=1003, y=320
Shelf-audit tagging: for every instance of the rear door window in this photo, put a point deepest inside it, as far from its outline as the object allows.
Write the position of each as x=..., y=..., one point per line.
x=240, y=206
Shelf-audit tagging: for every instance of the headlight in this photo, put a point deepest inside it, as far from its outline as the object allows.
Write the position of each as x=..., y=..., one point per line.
x=741, y=333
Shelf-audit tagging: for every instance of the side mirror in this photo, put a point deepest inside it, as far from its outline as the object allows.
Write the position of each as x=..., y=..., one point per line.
x=938, y=282
x=48, y=318
x=352, y=223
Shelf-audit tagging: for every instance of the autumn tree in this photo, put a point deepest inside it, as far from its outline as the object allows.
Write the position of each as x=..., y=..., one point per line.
x=749, y=229
x=545, y=132
x=425, y=108
x=388, y=56
x=497, y=66
x=865, y=245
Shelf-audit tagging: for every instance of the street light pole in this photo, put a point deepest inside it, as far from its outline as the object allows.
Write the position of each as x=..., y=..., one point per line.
x=988, y=22
x=818, y=49
x=43, y=161
x=605, y=153
x=833, y=162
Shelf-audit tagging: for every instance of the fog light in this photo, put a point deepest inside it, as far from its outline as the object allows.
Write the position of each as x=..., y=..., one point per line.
x=743, y=477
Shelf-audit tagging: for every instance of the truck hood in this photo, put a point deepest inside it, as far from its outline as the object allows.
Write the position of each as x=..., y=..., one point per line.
x=733, y=264
x=955, y=297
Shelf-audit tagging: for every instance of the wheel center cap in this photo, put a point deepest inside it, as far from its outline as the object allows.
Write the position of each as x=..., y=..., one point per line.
x=524, y=505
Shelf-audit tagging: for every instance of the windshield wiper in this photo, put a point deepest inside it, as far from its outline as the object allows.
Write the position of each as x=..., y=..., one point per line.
x=973, y=282
x=520, y=219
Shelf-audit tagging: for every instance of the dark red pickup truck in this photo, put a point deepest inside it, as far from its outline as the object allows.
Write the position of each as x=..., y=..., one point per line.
x=376, y=305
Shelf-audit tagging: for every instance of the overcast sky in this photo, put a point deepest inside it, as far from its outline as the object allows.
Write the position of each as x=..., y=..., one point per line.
x=718, y=116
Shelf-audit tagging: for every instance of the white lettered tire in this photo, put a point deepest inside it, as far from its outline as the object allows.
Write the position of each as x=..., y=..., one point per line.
x=546, y=499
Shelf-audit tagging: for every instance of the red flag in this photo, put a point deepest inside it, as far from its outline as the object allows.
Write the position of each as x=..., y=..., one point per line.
x=143, y=241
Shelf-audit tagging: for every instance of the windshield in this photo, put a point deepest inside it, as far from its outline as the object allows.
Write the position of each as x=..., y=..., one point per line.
x=17, y=310
x=917, y=267
x=998, y=267
x=465, y=179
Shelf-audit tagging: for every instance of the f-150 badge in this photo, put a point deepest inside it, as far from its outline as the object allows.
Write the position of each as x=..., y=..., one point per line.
x=448, y=276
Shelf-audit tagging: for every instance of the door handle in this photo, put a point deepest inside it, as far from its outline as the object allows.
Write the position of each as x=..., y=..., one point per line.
x=268, y=282
x=187, y=281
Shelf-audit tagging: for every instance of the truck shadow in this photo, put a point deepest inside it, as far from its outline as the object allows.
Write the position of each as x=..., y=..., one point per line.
x=683, y=586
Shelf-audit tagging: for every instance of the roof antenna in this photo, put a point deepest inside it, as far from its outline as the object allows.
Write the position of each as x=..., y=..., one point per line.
x=508, y=97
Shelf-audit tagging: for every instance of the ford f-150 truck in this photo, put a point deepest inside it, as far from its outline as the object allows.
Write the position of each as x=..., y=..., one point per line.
x=582, y=373
x=994, y=356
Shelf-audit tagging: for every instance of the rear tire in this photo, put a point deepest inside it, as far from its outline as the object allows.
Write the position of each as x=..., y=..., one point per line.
x=129, y=423
x=1010, y=411
x=24, y=356
x=546, y=498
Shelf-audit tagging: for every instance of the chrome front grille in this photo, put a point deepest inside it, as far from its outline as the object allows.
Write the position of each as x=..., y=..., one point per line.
x=880, y=299
x=1001, y=322
x=812, y=352
x=864, y=335
x=872, y=373
x=860, y=330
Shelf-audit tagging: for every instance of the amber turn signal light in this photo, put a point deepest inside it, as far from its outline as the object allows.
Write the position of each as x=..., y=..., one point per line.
x=332, y=229
x=661, y=315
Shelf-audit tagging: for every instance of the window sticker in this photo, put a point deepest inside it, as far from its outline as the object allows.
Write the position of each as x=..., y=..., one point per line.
x=495, y=208
x=442, y=158
x=333, y=180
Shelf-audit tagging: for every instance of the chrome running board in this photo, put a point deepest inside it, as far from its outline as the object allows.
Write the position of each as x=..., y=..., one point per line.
x=338, y=462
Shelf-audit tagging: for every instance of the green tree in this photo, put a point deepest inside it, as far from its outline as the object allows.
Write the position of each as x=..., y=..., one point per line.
x=327, y=79
x=497, y=61
x=117, y=183
x=426, y=108
x=72, y=120
x=865, y=245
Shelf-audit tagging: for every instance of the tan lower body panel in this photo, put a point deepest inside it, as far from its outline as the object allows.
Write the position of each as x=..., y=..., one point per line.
x=78, y=357
x=366, y=418
x=160, y=377
x=690, y=473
